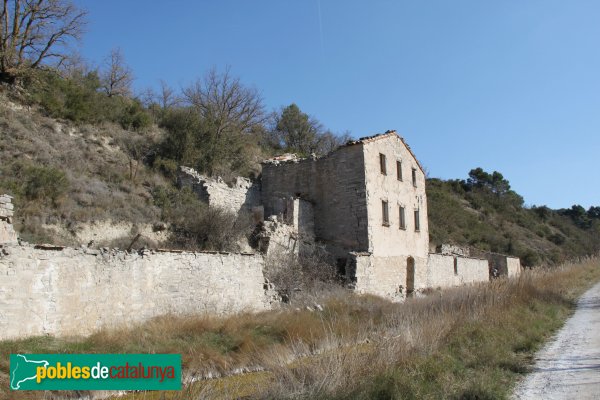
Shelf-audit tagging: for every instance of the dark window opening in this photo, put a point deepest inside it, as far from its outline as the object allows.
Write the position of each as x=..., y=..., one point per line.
x=341, y=266
x=417, y=225
x=385, y=213
x=382, y=164
x=410, y=276
x=402, y=218
x=399, y=170
x=414, y=177
x=455, y=266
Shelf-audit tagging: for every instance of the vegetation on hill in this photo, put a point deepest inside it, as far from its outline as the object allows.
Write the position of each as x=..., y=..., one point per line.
x=483, y=212
x=74, y=152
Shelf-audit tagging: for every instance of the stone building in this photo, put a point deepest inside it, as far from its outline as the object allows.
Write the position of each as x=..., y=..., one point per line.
x=368, y=206
x=365, y=204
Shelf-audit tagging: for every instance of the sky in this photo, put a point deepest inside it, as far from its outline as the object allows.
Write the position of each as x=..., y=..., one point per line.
x=511, y=86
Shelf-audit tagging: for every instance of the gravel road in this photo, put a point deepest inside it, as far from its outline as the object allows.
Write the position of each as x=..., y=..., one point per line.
x=569, y=366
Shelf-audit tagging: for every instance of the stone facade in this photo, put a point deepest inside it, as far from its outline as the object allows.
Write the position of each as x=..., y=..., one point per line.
x=334, y=185
x=65, y=291
x=349, y=190
x=7, y=232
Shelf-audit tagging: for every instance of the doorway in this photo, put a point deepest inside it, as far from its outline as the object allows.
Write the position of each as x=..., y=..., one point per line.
x=410, y=276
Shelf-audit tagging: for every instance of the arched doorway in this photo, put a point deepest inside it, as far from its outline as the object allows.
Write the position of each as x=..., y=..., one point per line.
x=410, y=276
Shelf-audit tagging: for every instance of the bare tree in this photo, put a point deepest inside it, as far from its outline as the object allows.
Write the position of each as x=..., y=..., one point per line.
x=117, y=77
x=225, y=103
x=229, y=113
x=167, y=97
x=36, y=31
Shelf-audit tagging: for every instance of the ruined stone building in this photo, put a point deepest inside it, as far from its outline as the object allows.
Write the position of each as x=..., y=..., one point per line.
x=365, y=203
x=369, y=209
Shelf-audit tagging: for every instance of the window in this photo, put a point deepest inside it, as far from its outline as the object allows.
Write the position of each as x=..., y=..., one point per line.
x=385, y=213
x=414, y=177
x=382, y=163
x=399, y=170
x=455, y=266
x=417, y=225
x=402, y=218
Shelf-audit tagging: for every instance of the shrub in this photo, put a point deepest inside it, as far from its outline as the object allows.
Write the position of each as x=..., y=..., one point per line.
x=45, y=183
x=78, y=99
x=196, y=226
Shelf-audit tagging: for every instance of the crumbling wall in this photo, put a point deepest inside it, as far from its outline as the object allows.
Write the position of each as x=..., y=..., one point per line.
x=243, y=194
x=451, y=249
x=76, y=291
x=334, y=184
x=7, y=231
x=290, y=234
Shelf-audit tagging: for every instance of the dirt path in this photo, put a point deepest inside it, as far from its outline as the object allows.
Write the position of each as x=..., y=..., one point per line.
x=569, y=366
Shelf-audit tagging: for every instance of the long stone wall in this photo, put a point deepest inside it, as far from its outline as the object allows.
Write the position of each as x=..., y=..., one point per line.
x=448, y=270
x=76, y=291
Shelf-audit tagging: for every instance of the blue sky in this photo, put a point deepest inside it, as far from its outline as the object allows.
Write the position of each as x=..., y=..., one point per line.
x=511, y=85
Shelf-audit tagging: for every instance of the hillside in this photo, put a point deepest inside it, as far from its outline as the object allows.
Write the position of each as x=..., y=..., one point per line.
x=84, y=167
x=475, y=215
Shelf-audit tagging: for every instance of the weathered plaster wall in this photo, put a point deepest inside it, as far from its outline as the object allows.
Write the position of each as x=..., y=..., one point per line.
x=386, y=276
x=392, y=240
x=216, y=193
x=75, y=291
x=334, y=185
x=513, y=266
x=448, y=270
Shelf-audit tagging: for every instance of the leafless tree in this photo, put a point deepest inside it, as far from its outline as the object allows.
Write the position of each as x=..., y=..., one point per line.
x=225, y=103
x=229, y=114
x=36, y=31
x=167, y=97
x=117, y=76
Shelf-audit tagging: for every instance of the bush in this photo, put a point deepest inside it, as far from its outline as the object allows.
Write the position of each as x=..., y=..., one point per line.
x=44, y=183
x=78, y=99
x=196, y=226
x=303, y=279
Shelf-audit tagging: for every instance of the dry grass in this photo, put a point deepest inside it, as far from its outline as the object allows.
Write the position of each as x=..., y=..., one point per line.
x=469, y=342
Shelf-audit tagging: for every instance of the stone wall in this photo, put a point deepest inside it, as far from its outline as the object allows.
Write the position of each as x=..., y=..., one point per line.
x=76, y=291
x=448, y=270
x=386, y=276
x=243, y=194
x=7, y=232
x=334, y=184
x=513, y=266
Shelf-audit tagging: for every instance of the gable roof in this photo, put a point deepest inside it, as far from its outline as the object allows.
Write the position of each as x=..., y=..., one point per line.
x=387, y=134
